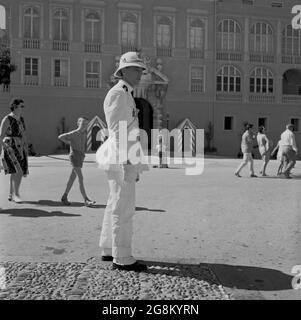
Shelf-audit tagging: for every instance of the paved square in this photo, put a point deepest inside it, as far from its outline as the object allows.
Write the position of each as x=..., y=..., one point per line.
x=247, y=231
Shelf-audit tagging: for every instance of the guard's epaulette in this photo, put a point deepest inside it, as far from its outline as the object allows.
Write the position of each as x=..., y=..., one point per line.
x=125, y=88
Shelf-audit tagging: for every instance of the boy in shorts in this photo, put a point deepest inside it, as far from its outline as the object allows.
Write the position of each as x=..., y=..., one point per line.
x=77, y=141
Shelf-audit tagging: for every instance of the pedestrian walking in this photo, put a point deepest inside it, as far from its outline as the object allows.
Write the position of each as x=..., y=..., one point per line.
x=247, y=142
x=77, y=139
x=280, y=158
x=289, y=149
x=13, y=141
x=264, y=149
x=122, y=174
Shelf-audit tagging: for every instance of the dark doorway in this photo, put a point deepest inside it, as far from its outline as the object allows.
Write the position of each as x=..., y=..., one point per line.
x=95, y=144
x=145, y=117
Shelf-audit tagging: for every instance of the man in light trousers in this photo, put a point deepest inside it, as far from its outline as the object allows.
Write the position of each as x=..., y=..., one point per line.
x=120, y=108
x=289, y=149
x=246, y=148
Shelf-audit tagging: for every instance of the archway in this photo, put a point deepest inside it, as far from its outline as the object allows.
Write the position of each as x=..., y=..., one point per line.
x=145, y=117
x=291, y=82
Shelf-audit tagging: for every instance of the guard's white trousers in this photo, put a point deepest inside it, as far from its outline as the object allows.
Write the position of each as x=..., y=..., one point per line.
x=117, y=227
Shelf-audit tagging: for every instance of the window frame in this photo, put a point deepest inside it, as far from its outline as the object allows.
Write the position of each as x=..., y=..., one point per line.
x=203, y=79
x=236, y=35
x=260, y=83
x=23, y=75
x=228, y=81
x=53, y=70
x=99, y=74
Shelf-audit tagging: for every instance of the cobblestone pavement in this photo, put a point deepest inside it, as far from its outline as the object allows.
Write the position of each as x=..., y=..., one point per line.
x=95, y=280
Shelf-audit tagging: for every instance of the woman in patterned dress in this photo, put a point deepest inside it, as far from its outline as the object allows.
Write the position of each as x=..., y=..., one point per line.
x=15, y=149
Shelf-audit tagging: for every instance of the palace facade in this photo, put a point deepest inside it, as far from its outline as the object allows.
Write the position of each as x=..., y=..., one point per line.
x=213, y=65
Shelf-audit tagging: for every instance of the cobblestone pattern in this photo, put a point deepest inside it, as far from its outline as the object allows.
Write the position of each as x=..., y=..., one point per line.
x=95, y=280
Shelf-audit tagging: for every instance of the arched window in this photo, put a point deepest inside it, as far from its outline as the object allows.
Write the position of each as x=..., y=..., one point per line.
x=291, y=41
x=60, y=25
x=92, y=27
x=129, y=29
x=164, y=32
x=196, y=34
x=229, y=35
x=228, y=79
x=31, y=22
x=261, y=81
x=261, y=38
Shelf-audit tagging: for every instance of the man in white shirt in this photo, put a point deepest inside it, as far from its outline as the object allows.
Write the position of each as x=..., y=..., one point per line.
x=289, y=149
x=120, y=109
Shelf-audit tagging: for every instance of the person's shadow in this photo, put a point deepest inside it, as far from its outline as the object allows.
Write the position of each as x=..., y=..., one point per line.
x=51, y=203
x=147, y=209
x=251, y=278
x=35, y=213
x=230, y=276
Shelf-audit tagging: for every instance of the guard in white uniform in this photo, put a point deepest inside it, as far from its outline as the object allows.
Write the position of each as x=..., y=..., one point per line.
x=120, y=108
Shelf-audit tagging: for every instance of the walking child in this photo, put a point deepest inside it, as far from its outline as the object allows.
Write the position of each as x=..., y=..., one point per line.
x=77, y=141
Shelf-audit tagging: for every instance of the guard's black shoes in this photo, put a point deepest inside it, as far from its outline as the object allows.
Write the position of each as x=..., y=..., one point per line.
x=106, y=258
x=137, y=267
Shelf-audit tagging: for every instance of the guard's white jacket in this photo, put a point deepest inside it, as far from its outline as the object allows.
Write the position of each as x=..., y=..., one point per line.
x=122, y=118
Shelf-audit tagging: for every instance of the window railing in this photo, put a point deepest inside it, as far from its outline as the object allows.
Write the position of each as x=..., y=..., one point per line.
x=93, y=47
x=164, y=52
x=31, y=43
x=128, y=47
x=31, y=80
x=60, y=45
x=228, y=96
x=196, y=87
x=196, y=53
x=60, y=82
x=259, y=57
x=261, y=98
x=92, y=83
x=289, y=98
x=291, y=59
x=229, y=56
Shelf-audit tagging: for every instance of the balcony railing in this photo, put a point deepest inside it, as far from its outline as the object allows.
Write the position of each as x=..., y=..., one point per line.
x=128, y=47
x=164, y=52
x=229, y=56
x=258, y=57
x=261, y=98
x=196, y=54
x=92, y=83
x=196, y=87
x=31, y=43
x=294, y=99
x=224, y=96
x=60, y=45
x=60, y=82
x=31, y=80
x=291, y=59
x=93, y=47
